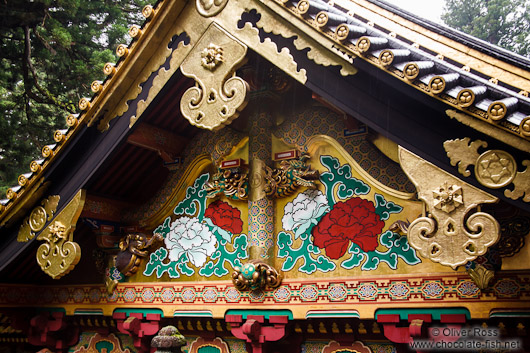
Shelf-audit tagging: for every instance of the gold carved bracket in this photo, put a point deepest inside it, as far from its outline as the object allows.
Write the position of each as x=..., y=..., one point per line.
x=494, y=169
x=215, y=100
x=451, y=231
x=58, y=255
x=37, y=219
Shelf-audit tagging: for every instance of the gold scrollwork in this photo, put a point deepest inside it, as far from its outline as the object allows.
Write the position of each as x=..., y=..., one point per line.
x=58, y=255
x=494, y=168
x=454, y=234
x=37, y=218
x=215, y=101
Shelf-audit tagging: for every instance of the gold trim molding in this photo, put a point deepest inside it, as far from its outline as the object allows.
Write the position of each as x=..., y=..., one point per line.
x=452, y=230
x=58, y=255
x=494, y=169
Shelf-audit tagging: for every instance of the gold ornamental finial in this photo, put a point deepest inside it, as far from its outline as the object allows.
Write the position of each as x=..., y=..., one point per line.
x=122, y=50
x=96, y=86
x=135, y=31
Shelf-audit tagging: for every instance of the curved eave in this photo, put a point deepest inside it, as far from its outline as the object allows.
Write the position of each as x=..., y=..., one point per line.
x=108, y=96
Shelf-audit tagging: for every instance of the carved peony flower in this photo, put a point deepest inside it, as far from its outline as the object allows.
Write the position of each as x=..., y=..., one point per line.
x=304, y=211
x=189, y=236
x=225, y=216
x=355, y=221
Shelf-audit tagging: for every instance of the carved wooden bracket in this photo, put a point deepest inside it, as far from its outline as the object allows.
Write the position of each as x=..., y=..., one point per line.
x=452, y=230
x=418, y=327
x=53, y=331
x=165, y=143
x=254, y=332
x=140, y=327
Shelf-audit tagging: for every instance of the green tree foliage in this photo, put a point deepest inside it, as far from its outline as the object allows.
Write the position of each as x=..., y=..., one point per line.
x=505, y=23
x=50, y=52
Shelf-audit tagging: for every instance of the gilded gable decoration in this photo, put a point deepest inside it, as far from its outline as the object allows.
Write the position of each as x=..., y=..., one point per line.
x=450, y=231
x=494, y=169
x=58, y=255
x=215, y=100
x=37, y=219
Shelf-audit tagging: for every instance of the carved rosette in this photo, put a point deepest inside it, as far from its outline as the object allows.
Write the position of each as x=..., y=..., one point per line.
x=215, y=101
x=58, y=255
x=451, y=232
x=256, y=275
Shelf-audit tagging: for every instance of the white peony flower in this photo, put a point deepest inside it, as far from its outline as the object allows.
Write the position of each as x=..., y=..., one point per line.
x=304, y=211
x=188, y=235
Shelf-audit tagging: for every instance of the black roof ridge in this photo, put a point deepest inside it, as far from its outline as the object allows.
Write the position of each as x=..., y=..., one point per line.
x=454, y=34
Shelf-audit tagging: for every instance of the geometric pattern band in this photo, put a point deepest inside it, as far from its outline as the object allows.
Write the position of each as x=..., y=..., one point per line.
x=451, y=289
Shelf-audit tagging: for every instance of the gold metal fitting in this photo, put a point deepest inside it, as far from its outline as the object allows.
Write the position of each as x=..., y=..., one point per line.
x=59, y=136
x=523, y=93
x=22, y=180
x=148, y=11
x=342, y=32
x=363, y=44
x=122, y=50
x=411, y=71
x=497, y=111
x=437, y=84
x=96, y=86
x=47, y=151
x=84, y=103
x=109, y=69
x=11, y=194
x=524, y=127
x=321, y=19
x=35, y=167
x=465, y=98
x=494, y=80
x=135, y=31
x=71, y=120
x=386, y=57
x=303, y=7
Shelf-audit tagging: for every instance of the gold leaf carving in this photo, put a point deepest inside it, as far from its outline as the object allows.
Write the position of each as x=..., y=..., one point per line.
x=463, y=153
x=216, y=100
x=495, y=169
x=321, y=53
x=268, y=49
x=451, y=235
x=481, y=276
x=58, y=255
x=521, y=183
x=37, y=218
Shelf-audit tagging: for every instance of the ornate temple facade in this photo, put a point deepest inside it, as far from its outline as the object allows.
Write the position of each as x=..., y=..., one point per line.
x=279, y=176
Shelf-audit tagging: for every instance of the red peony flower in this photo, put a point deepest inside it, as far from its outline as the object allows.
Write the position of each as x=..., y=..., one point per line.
x=225, y=216
x=353, y=220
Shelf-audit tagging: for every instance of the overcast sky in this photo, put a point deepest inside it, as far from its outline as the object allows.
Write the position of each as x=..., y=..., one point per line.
x=429, y=9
